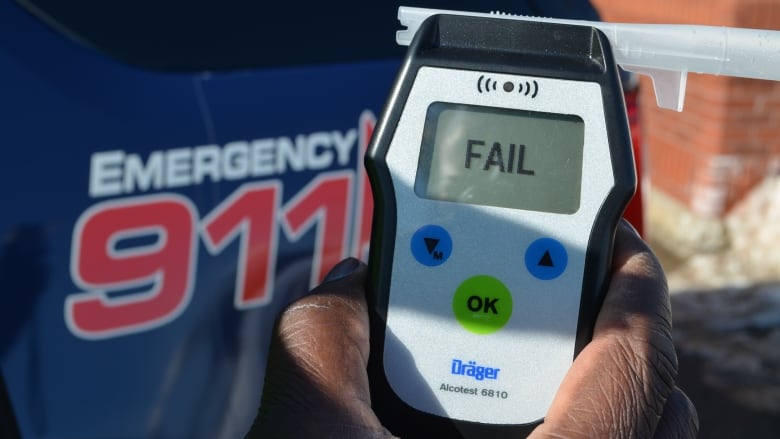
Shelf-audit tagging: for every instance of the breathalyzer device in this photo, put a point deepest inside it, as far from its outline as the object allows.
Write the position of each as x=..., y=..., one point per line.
x=500, y=168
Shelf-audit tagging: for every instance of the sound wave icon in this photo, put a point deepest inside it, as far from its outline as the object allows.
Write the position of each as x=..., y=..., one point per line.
x=528, y=88
x=488, y=82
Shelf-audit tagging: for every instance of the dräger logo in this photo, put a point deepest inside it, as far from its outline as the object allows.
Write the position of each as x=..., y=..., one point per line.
x=472, y=369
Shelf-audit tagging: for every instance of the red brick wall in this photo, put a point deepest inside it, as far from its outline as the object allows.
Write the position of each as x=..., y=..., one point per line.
x=728, y=136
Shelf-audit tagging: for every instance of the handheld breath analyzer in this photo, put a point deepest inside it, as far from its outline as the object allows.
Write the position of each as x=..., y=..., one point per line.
x=500, y=168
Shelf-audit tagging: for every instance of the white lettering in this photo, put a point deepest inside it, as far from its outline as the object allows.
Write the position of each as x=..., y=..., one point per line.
x=178, y=167
x=287, y=152
x=235, y=164
x=318, y=142
x=144, y=177
x=105, y=173
x=263, y=162
x=343, y=145
x=117, y=172
x=205, y=163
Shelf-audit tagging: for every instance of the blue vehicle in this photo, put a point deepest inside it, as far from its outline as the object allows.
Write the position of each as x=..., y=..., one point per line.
x=172, y=177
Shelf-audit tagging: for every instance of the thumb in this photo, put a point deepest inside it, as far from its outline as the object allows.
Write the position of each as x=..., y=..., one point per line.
x=316, y=380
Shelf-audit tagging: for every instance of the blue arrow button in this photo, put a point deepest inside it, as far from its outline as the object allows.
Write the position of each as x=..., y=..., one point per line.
x=431, y=245
x=546, y=258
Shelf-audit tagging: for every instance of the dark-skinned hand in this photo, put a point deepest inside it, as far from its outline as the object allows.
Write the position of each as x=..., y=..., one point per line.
x=622, y=384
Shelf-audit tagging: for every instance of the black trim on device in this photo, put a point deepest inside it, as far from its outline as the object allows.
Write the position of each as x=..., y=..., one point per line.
x=502, y=46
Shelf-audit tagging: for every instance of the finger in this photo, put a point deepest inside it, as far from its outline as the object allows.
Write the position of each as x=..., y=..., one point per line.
x=619, y=383
x=679, y=419
x=316, y=376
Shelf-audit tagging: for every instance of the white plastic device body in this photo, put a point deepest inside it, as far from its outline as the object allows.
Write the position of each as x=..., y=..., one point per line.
x=499, y=168
x=535, y=348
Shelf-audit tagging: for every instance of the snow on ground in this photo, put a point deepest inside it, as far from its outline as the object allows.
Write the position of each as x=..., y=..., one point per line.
x=726, y=308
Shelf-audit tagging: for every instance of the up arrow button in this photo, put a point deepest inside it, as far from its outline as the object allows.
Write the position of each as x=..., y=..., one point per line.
x=546, y=258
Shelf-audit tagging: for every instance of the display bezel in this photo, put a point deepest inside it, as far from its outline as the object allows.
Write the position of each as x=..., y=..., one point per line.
x=552, y=143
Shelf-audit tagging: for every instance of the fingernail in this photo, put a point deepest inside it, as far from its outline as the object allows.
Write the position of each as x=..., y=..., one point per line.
x=342, y=269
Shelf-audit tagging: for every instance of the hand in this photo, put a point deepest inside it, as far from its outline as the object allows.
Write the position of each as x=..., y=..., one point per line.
x=620, y=385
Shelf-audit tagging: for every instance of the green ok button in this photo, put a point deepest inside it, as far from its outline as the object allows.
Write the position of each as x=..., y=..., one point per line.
x=482, y=304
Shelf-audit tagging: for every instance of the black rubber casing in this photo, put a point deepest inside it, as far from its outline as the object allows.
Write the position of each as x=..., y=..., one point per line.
x=501, y=46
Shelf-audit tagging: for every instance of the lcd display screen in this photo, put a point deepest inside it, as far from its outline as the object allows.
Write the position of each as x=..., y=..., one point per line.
x=501, y=157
